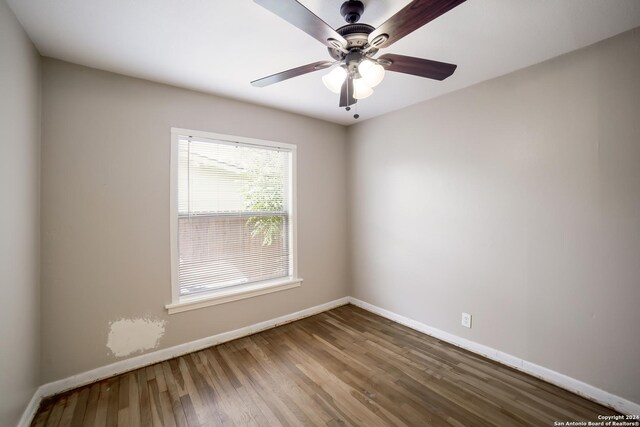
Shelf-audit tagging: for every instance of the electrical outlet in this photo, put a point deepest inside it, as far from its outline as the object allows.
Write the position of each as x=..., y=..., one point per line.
x=466, y=320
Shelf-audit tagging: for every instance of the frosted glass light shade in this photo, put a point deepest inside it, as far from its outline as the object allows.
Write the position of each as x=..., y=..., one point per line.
x=333, y=81
x=371, y=72
x=361, y=89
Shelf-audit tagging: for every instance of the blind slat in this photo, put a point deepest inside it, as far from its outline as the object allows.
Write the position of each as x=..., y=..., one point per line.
x=233, y=215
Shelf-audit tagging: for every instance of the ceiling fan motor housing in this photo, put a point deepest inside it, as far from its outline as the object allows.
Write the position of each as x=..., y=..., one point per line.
x=357, y=36
x=352, y=10
x=352, y=60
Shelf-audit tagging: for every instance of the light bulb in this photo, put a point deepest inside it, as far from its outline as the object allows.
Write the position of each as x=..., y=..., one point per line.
x=361, y=89
x=333, y=81
x=371, y=72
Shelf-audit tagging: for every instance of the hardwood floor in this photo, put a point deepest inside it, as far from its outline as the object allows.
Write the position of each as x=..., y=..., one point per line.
x=342, y=367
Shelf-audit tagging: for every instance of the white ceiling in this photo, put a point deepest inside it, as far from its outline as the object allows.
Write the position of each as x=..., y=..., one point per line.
x=219, y=46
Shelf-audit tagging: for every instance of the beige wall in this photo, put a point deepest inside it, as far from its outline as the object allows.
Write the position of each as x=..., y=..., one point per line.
x=105, y=210
x=19, y=218
x=516, y=200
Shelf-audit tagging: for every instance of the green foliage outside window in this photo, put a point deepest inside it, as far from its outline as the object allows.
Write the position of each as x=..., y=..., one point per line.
x=263, y=192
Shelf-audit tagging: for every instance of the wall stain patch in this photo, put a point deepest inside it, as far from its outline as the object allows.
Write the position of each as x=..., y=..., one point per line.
x=129, y=336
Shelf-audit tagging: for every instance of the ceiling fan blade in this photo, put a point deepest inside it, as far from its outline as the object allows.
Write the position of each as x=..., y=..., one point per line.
x=346, y=94
x=294, y=72
x=418, y=66
x=410, y=18
x=298, y=15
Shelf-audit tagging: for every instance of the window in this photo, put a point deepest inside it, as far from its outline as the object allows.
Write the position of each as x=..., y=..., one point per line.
x=233, y=218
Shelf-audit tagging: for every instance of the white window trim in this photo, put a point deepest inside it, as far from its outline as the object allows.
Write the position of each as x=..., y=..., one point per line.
x=179, y=304
x=234, y=293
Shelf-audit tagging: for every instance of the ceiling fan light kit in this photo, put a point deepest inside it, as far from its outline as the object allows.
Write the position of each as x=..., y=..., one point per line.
x=361, y=89
x=371, y=72
x=355, y=70
x=334, y=79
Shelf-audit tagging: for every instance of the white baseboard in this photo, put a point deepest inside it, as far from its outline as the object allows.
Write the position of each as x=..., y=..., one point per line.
x=137, y=362
x=571, y=384
x=30, y=410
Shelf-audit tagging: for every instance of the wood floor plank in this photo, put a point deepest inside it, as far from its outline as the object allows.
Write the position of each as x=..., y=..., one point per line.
x=223, y=381
x=56, y=411
x=324, y=398
x=167, y=413
x=143, y=398
x=201, y=396
x=43, y=413
x=113, y=405
x=174, y=397
x=157, y=417
x=69, y=408
x=282, y=374
x=103, y=402
x=194, y=401
x=221, y=394
x=322, y=368
x=92, y=405
x=257, y=357
x=41, y=418
x=134, y=400
x=385, y=377
x=344, y=367
x=77, y=419
x=123, y=418
x=279, y=404
x=189, y=412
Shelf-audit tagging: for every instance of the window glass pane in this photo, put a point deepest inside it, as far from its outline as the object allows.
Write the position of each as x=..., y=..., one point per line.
x=233, y=214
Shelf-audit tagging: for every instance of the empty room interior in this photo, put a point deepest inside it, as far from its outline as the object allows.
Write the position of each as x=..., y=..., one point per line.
x=320, y=212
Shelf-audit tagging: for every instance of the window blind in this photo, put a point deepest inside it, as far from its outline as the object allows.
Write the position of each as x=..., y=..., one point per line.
x=233, y=214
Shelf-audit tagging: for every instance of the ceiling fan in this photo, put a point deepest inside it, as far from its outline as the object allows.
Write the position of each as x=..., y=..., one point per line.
x=353, y=46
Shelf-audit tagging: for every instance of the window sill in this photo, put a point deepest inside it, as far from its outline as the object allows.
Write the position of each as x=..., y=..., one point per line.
x=232, y=294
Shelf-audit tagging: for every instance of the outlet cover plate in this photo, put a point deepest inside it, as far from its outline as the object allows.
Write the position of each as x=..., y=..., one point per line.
x=466, y=320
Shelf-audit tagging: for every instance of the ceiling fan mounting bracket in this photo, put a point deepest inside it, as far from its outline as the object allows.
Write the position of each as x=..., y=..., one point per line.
x=351, y=10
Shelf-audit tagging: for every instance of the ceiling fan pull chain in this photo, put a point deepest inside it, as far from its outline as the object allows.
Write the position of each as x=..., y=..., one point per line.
x=348, y=107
